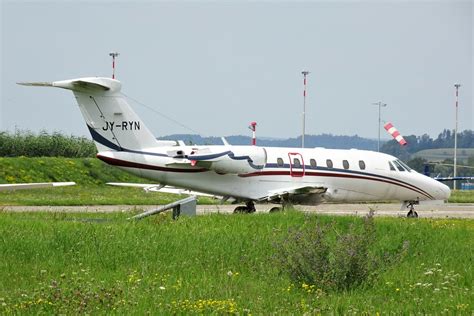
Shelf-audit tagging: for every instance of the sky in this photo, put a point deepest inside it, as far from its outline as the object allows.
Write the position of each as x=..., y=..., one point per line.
x=215, y=66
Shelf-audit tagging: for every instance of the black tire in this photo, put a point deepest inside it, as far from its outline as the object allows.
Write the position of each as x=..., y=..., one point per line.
x=240, y=210
x=275, y=209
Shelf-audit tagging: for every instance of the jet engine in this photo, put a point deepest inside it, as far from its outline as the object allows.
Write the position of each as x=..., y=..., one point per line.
x=234, y=159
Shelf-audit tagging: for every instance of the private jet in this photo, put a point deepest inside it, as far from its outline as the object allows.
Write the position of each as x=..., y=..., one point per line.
x=248, y=174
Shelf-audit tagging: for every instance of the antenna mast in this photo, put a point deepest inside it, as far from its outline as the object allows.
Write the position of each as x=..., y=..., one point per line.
x=113, y=55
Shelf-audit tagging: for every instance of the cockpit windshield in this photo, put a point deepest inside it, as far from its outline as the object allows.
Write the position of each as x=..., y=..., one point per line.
x=398, y=165
x=401, y=166
x=405, y=165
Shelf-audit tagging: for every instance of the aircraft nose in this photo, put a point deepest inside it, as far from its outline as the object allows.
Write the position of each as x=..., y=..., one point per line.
x=443, y=192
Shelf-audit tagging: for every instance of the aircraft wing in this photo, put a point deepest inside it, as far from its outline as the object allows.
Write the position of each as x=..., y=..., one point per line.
x=300, y=194
x=162, y=188
x=24, y=186
x=444, y=179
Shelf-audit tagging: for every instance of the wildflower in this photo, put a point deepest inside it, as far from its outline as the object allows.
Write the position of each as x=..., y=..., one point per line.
x=162, y=288
x=229, y=273
x=397, y=289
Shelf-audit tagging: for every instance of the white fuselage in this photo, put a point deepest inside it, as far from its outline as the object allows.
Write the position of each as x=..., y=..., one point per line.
x=355, y=175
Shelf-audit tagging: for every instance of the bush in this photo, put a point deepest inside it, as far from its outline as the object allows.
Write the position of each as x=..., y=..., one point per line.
x=319, y=255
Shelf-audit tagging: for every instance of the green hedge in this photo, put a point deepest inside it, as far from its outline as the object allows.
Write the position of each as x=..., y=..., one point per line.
x=26, y=143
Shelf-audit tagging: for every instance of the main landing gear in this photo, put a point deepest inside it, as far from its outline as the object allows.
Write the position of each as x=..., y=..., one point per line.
x=248, y=208
x=412, y=213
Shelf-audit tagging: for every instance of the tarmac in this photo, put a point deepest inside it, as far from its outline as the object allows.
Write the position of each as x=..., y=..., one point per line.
x=448, y=210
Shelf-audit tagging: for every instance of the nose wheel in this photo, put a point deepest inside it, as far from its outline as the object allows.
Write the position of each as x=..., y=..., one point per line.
x=412, y=213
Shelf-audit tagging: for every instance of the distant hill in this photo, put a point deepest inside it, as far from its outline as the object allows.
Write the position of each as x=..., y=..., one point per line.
x=442, y=154
x=324, y=140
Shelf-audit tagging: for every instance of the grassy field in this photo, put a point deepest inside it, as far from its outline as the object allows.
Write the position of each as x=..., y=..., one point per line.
x=442, y=154
x=101, y=263
x=84, y=171
x=91, y=195
x=90, y=174
x=108, y=195
x=462, y=196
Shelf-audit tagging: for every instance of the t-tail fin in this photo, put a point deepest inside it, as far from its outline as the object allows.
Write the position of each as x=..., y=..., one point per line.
x=110, y=119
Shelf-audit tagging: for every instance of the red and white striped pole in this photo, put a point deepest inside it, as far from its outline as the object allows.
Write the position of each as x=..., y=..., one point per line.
x=395, y=134
x=305, y=73
x=253, y=128
x=115, y=54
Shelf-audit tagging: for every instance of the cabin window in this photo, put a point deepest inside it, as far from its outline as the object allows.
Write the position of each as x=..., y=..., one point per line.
x=345, y=164
x=398, y=165
x=313, y=163
x=361, y=165
x=296, y=163
x=391, y=166
x=280, y=162
x=329, y=163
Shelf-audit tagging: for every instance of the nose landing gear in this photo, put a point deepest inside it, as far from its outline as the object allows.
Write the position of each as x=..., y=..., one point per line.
x=412, y=213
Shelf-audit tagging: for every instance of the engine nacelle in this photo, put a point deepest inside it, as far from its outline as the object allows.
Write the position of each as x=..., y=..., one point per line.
x=234, y=160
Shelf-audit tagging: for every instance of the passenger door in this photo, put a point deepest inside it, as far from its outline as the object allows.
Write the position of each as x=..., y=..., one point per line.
x=296, y=164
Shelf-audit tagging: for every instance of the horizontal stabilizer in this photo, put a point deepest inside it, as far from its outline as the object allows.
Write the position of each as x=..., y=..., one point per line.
x=91, y=84
x=36, y=84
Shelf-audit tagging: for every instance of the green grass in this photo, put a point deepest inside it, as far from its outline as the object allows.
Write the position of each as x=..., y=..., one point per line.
x=84, y=171
x=101, y=263
x=90, y=174
x=91, y=195
x=459, y=196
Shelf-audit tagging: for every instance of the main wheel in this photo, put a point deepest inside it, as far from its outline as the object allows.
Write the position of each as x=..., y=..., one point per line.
x=240, y=210
x=275, y=209
x=412, y=214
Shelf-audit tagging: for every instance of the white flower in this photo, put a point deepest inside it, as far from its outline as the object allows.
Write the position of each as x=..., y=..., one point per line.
x=229, y=273
x=162, y=288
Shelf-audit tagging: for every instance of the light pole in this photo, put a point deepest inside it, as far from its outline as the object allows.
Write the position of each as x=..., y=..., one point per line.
x=113, y=55
x=456, y=85
x=380, y=104
x=305, y=73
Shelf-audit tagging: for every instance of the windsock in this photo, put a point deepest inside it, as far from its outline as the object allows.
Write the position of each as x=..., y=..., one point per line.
x=253, y=127
x=395, y=134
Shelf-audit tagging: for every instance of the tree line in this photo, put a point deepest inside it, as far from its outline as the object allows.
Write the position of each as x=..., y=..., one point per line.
x=417, y=143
